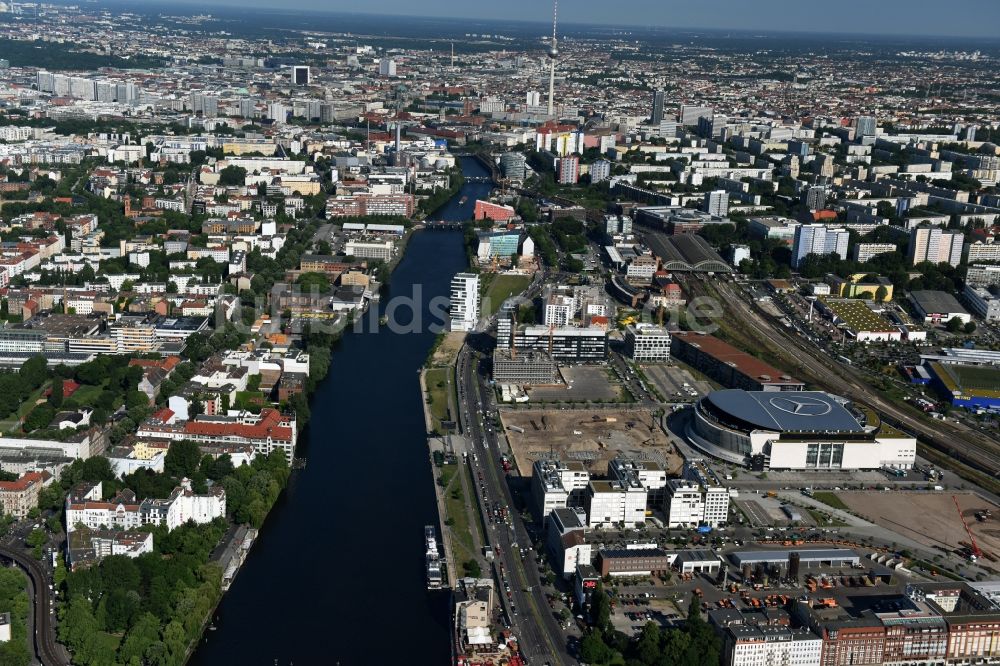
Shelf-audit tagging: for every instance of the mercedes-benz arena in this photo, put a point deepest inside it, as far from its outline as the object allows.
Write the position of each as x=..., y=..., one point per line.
x=796, y=430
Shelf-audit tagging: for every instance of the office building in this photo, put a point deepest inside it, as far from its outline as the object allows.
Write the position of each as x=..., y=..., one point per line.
x=301, y=75
x=565, y=533
x=514, y=166
x=866, y=126
x=818, y=239
x=689, y=114
x=533, y=98
x=464, y=302
x=556, y=484
x=612, y=503
x=647, y=473
x=647, y=343
x=569, y=170
x=690, y=504
x=565, y=344
x=935, y=245
x=387, y=67
x=717, y=203
x=656, y=117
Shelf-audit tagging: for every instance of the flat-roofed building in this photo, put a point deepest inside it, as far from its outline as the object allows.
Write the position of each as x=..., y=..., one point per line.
x=564, y=344
x=633, y=561
x=566, y=539
x=556, y=484
x=612, y=503
x=646, y=342
x=729, y=366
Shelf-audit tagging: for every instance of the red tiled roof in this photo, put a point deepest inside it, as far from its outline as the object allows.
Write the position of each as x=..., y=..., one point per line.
x=24, y=482
x=267, y=426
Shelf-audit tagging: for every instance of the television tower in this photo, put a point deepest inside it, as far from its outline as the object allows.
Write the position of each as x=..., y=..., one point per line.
x=553, y=55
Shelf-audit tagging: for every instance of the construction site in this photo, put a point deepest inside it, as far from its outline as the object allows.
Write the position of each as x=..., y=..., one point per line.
x=939, y=520
x=591, y=436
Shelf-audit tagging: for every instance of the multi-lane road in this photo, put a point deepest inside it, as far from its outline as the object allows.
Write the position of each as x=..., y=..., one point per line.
x=46, y=650
x=520, y=591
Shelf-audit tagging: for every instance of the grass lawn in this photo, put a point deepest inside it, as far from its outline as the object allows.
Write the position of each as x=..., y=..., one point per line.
x=831, y=500
x=437, y=389
x=455, y=508
x=500, y=288
x=87, y=394
x=821, y=519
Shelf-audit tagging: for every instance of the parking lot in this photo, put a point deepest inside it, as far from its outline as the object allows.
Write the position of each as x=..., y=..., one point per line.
x=594, y=383
x=676, y=384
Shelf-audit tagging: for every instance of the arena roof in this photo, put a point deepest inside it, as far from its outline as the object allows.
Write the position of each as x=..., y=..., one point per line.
x=786, y=411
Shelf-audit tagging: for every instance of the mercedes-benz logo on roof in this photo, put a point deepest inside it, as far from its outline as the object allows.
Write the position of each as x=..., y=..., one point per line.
x=801, y=405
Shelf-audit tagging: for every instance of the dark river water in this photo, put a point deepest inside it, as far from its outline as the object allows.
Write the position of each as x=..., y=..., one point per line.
x=337, y=573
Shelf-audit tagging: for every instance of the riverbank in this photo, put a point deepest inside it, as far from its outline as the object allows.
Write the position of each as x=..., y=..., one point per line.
x=366, y=449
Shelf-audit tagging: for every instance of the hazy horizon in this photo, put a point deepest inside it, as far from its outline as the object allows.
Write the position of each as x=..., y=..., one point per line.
x=964, y=18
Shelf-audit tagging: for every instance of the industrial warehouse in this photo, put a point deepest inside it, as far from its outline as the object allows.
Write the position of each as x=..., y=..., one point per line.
x=796, y=430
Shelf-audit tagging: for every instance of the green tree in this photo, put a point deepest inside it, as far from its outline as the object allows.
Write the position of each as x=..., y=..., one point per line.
x=182, y=460
x=970, y=327
x=954, y=325
x=232, y=176
x=56, y=397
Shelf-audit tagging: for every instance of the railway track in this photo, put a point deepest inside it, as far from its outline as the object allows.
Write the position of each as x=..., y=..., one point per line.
x=971, y=448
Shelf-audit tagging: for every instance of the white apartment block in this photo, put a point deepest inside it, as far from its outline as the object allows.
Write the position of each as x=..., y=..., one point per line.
x=983, y=276
x=936, y=246
x=381, y=251
x=750, y=645
x=610, y=503
x=864, y=252
x=980, y=251
x=464, y=302
x=124, y=511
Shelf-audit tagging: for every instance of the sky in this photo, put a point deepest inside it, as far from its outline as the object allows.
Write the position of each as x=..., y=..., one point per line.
x=971, y=18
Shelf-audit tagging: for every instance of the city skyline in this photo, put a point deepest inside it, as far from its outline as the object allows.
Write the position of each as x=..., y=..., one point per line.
x=889, y=18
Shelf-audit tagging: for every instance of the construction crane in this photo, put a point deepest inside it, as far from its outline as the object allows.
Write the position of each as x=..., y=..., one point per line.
x=973, y=546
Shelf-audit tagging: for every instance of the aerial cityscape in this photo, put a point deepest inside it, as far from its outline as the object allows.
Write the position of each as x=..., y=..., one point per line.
x=520, y=334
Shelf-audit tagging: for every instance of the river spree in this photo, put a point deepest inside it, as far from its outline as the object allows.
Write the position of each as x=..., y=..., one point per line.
x=337, y=573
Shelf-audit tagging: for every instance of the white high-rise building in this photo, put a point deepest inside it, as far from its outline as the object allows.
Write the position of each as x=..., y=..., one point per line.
x=717, y=203
x=387, y=67
x=819, y=239
x=935, y=245
x=533, y=98
x=277, y=112
x=464, y=302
